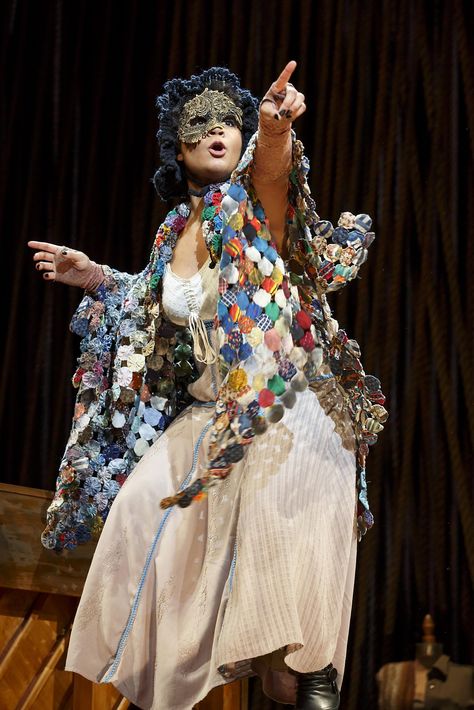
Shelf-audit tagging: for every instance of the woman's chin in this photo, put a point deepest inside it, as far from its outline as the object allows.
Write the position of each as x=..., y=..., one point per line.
x=218, y=172
x=215, y=176
x=211, y=174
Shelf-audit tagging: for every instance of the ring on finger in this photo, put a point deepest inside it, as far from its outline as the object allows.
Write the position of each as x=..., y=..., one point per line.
x=271, y=101
x=279, y=95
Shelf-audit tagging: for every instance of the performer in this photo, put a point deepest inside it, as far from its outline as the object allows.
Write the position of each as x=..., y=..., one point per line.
x=224, y=414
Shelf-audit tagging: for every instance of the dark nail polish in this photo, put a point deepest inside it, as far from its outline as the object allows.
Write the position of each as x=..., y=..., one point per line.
x=288, y=114
x=276, y=116
x=282, y=112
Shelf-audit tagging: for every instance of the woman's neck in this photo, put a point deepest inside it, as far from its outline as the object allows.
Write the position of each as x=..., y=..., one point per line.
x=196, y=205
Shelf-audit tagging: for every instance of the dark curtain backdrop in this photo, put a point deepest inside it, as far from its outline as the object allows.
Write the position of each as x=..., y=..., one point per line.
x=389, y=130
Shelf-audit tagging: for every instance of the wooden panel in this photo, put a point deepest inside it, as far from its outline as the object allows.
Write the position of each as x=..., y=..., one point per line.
x=56, y=693
x=232, y=696
x=24, y=562
x=33, y=648
x=14, y=607
x=122, y=704
x=38, y=600
x=96, y=696
x=29, y=698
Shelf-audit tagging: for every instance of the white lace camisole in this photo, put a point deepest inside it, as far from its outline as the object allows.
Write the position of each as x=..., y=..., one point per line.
x=191, y=301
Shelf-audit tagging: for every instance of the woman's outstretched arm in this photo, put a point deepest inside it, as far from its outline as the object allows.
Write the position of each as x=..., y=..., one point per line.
x=67, y=266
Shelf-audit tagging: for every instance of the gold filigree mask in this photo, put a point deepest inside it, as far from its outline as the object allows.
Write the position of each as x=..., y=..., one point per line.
x=206, y=111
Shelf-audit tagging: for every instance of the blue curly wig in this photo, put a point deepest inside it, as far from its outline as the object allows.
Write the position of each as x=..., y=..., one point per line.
x=169, y=179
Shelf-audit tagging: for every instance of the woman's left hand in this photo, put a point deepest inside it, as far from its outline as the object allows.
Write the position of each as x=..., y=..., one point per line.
x=283, y=103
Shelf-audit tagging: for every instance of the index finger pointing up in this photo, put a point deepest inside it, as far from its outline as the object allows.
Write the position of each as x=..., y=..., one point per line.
x=284, y=78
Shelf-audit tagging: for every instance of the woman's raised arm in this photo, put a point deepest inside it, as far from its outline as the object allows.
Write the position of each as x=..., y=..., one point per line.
x=279, y=108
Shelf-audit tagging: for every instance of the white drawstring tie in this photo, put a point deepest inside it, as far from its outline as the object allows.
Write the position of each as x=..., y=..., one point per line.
x=203, y=350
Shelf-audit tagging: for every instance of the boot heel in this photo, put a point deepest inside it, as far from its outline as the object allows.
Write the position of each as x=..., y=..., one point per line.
x=318, y=690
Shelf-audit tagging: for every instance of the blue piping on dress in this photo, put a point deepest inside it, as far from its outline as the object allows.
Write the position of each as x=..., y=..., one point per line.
x=149, y=557
x=232, y=567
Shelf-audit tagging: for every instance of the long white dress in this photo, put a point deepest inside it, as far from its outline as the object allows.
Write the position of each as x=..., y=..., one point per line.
x=258, y=577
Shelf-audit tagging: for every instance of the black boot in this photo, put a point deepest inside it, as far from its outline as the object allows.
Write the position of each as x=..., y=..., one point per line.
x=318, y=690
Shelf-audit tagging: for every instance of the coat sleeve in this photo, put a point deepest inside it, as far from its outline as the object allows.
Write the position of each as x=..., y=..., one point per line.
x=332, y=256
x=80, y=497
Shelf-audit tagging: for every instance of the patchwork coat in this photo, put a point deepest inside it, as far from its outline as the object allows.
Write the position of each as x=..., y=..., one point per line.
x=275, y=331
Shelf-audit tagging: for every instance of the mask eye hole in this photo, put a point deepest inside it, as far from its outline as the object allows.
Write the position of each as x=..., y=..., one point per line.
x=198, y=121
x=230, y=121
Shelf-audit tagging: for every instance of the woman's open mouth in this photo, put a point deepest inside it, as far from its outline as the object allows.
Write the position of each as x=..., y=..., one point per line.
x=217, y=149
